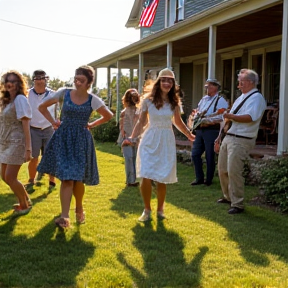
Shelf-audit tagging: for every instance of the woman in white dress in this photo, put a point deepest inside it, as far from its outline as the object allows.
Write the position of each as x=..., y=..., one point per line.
x=156, y=156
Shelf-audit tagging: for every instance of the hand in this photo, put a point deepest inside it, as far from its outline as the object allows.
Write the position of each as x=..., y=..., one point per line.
x=126, y=142
x=191, y=137
x=56, y=124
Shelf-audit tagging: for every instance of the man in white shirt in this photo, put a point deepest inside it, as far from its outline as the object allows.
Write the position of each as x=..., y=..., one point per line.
x=239, y=140
x=40, y=128
x=207, y=133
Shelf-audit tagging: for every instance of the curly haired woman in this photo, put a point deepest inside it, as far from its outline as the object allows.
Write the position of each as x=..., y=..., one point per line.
x=15, y=139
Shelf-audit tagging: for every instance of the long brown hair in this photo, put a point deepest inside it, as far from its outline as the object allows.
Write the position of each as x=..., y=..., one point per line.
x=21, y=85
x=131, y=98
x=157, y=100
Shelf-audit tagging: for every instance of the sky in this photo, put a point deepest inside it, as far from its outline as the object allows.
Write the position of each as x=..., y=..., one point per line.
x=37, y=34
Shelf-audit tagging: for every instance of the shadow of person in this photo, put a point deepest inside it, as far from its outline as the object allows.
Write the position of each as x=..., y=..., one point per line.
x=164, y=263
x=251, y=230
x=51, y=256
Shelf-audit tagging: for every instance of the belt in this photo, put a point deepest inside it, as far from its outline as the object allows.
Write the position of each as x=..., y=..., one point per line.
x=38, y=128
x=209, y=127
x=238, y=136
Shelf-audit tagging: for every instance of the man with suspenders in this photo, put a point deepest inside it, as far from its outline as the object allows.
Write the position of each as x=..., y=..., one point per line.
x=40, y=128
x=206, y=134
x=245, y=114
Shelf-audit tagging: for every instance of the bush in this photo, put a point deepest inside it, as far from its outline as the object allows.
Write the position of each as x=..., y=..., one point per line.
x=107, y=132
x=274, y=177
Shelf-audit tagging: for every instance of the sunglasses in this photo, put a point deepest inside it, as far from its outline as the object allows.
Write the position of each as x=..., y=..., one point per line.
x=11, y=81
x=40, y=78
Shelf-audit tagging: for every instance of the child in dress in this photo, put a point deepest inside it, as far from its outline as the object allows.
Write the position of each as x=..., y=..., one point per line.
x=128, y=118
x=70, y=154
x=156, y=155
x=15, y=140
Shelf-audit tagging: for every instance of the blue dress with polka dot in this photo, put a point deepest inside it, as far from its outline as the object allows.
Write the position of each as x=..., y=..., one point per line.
x=70, y=153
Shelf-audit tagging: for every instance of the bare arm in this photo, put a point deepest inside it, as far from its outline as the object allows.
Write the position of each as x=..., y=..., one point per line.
x=106, y=116
x=43, y=109
x=140, y=124
x=238, y=118
x=121, y=124
x=26, y=128
x=180, y=125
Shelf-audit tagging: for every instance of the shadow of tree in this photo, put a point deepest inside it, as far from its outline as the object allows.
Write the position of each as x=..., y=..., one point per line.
x=164, y=262
x=51, y=255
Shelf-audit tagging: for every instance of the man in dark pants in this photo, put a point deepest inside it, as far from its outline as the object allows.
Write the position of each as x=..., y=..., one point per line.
x=207, y=133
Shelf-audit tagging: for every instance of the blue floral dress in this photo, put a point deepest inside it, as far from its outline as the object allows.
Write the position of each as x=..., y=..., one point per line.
x=70, y=153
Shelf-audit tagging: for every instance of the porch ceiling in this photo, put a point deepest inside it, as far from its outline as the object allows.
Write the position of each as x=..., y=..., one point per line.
x=228, y=34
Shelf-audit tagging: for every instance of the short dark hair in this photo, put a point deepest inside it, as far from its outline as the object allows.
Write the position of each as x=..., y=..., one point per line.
x=38, y=72
x=87, y=71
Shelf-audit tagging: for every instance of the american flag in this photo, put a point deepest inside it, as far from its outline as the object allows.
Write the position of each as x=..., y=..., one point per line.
x=148, y=13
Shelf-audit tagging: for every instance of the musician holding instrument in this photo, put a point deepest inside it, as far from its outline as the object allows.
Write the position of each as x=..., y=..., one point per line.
x=206, y=126
x=240, y=139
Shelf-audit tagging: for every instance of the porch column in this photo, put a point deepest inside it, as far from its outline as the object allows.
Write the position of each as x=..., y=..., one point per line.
x=131, y=74
x=140, y=73
x=109, y=94
x=94, y=85
x=212, y=51
x=118, y=92
x=169, y=54
x=283, y=101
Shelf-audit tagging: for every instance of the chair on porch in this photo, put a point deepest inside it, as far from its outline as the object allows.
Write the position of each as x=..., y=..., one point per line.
x=269, y=124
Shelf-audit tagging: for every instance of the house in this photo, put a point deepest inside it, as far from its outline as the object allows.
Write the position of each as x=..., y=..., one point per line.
x=216, y=38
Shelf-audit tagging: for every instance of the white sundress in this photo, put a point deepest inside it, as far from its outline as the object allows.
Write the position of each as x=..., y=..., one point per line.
x=156, y=155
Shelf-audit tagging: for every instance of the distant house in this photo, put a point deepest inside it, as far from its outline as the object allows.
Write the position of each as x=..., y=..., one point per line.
x=216, y=38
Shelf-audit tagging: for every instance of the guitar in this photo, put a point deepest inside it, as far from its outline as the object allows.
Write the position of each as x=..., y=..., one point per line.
x=200, y=118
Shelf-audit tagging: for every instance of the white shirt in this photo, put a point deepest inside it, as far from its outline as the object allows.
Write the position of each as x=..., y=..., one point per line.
x=253, y=106
x=38, y=120
x=207, y=100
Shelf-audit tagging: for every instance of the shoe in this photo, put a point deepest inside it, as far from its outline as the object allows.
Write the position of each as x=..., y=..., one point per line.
x=223, y=201
x=197, y=182
x=62, y=222
x=146, y=216
x=161, y=215
x=80, y=217
x=136, y=184
x=207, y=183
x=20, y=212
x=235, y=210
x=30, y=203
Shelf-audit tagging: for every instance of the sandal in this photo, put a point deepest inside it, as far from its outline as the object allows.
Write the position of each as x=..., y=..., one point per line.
x=18, y=211
x=62, y=222
x=80, y=217
x=29, y=201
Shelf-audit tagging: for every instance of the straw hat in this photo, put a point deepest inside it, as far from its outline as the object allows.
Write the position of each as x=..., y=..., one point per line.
x=166, y=73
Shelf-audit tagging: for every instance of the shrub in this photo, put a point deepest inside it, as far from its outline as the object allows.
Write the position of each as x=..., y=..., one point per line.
x=274, y=177
x=107, y=132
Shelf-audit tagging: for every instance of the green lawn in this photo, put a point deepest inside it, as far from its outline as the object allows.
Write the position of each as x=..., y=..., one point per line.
x=199, y=245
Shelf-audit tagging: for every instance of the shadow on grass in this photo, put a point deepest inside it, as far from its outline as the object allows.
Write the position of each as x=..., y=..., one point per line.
x=253, y=230
x=51, y=257
x=164, y=262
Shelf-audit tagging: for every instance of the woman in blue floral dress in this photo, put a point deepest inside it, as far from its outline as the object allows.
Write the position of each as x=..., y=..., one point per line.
x=70, y=154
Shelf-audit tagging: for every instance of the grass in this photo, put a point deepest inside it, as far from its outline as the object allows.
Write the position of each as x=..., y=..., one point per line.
x=199, y=245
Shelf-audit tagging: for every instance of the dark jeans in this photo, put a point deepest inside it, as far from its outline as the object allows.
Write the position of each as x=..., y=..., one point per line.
x=204, y=142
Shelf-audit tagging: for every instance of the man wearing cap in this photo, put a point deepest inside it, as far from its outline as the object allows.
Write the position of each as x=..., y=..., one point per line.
x=206, y=134
x=40, y=128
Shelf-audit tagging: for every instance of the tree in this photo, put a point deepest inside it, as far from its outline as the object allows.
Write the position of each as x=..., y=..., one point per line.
x=56, y=83
x=28, y=79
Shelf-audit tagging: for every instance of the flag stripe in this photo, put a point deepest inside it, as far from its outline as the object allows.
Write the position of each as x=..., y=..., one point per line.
x=148, y=14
